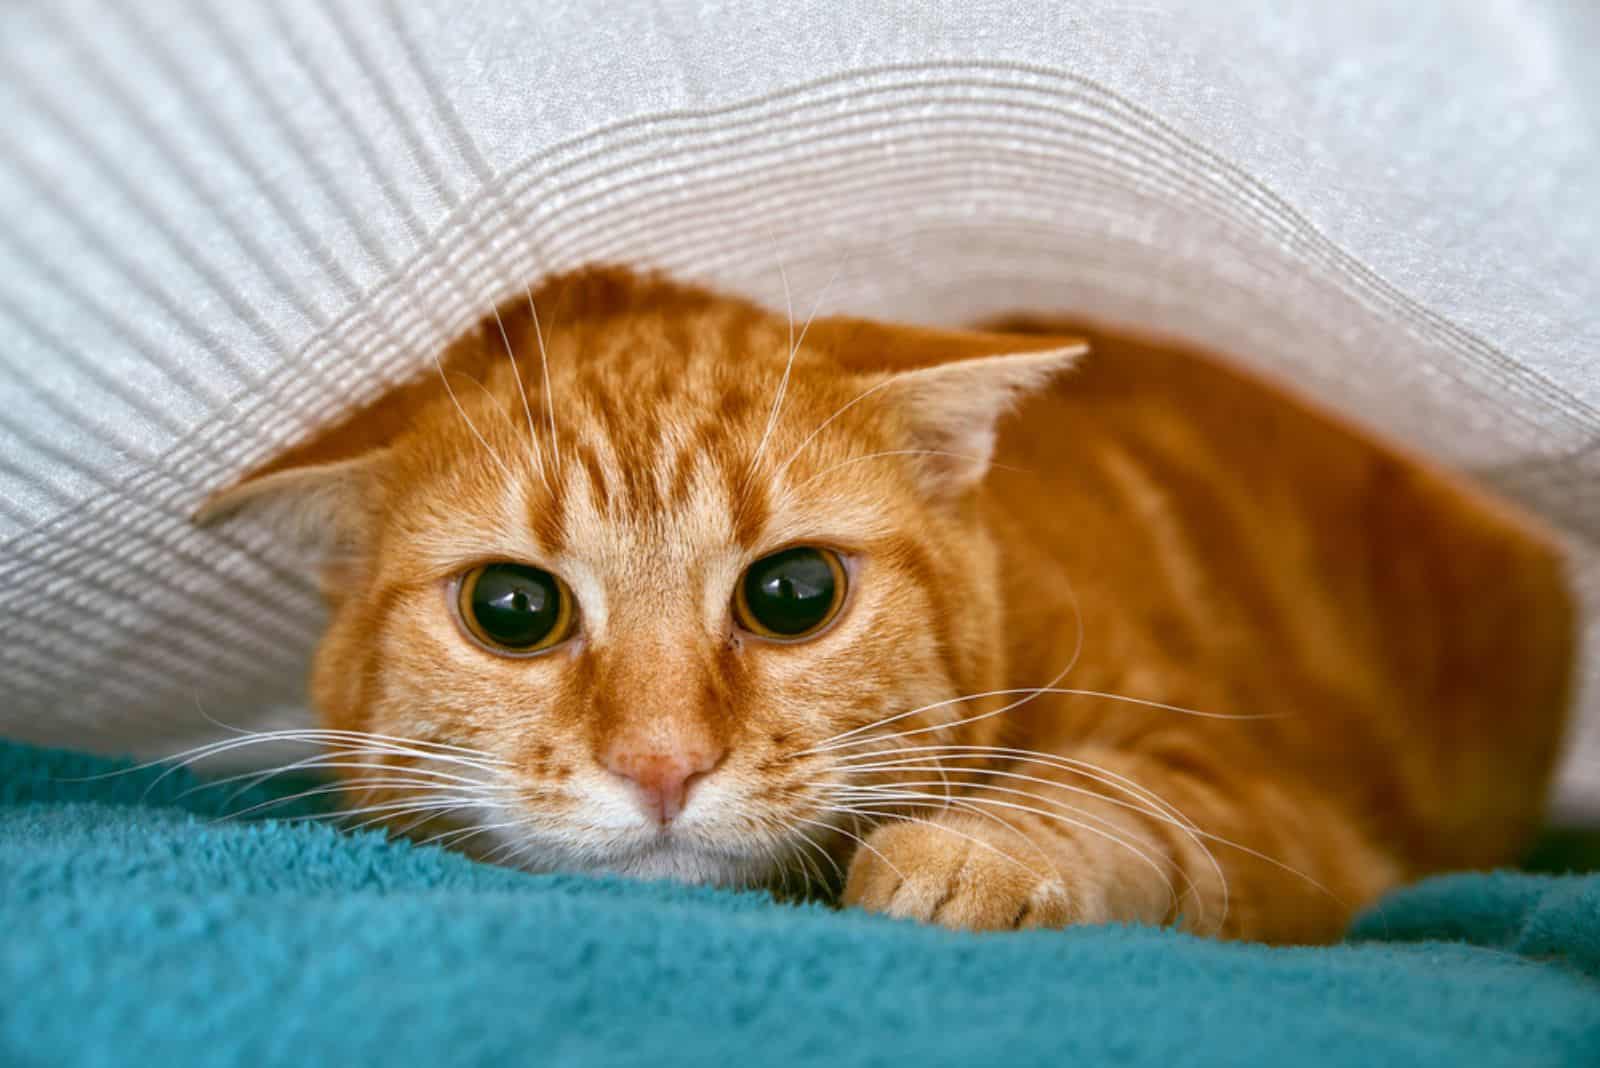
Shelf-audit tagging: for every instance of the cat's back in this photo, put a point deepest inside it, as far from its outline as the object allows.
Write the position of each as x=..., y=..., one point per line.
x=1230, y=544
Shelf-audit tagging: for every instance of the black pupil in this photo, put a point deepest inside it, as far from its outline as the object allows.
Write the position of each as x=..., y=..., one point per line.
x=515, y=606
x=790, y=592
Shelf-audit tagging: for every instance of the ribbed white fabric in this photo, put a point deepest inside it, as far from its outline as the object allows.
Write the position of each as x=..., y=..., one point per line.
x=222, y=224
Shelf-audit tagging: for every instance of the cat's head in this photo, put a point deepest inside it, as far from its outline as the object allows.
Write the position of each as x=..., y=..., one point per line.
x=668, y=577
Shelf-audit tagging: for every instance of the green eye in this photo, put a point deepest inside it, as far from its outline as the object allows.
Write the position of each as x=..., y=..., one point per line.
x=515, y=608
x=791, y=593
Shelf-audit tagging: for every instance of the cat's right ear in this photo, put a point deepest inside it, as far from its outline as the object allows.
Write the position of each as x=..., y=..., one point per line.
x=322, y=494
x=326, y=508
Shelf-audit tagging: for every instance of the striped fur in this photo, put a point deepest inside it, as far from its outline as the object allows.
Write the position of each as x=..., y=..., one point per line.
x=1358, y=666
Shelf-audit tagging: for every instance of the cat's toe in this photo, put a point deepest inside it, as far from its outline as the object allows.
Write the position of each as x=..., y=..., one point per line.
x=955, y=873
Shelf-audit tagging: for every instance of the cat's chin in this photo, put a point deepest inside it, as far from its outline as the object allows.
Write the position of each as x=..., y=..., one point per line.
x=664, y=860
x=684, y=864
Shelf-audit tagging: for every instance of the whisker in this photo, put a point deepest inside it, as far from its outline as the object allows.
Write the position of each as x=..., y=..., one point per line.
x=334, y=788
x=1179, y=820
x=783, y=382
x=1072, y=661
x=512, y=850
x=437, y=750
x=426, y=812
x=839, y=741
x=389, y=810
x=544, y=366
x=854, y=837
x=1056, y=816
x=454, y=400
x=788, y=367
x=470, y=832
x=320, y=762
x=1159, y=808
x=838, y=871
x=898, y=817
x=322, y=732
x=863, y=395
x=522, y=391
x=373, y=743
x=1006, y=825
x=1111, y=833
x=808, y=869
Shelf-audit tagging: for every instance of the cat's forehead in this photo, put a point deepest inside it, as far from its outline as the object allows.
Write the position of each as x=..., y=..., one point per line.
x=652, y=446
x=704, y=443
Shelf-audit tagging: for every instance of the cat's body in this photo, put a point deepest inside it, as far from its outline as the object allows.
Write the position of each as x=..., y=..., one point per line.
x=1288, y=669
x=1235, y=551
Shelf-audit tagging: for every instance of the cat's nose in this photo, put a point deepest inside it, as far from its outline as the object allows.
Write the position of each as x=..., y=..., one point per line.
x=664, y=777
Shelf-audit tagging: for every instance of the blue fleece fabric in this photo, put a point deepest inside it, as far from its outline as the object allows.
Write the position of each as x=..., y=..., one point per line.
x=135, y=928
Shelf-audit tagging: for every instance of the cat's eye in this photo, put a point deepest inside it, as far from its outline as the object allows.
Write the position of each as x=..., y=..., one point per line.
x=791, y=594
x=514, y=608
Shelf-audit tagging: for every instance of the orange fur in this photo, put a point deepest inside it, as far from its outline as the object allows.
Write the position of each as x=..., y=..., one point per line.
x=1381, y=655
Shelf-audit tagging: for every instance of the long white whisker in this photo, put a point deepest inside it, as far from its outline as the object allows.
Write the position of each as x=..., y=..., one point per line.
x=323, y=762
x=347, y=740
x=184, y=758
x=900, y=817
x=445, y=378
x=1153, y=805
x=783, y=382
x=839, y=741
x=788, y=368
x=331, y=788
x=217, y=750
x=544, y=366
x=318, y=733
x=809, y=868
x=426, y=811
x=856, y=838
x=1111, y=832
x=863, y=395
x=826, y=855
x=465, y=833
x=522, y=391
x=1035, y=756
x=1056, y=816
x=952, y=801
x=391, y=810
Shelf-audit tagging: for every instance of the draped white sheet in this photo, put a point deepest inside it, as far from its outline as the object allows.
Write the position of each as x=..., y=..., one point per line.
x=222, y=223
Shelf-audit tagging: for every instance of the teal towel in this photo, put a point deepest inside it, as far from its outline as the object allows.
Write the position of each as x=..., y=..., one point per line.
x=138, y=929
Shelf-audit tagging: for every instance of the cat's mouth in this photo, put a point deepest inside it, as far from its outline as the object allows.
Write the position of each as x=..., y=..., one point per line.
x=680, y=858
x=662, y=852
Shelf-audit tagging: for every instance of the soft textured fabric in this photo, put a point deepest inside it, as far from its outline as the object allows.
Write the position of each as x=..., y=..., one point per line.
x=140, y=929
x=221, y=224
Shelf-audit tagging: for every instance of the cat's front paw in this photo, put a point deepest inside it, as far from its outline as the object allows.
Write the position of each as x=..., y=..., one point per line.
x=964, y=872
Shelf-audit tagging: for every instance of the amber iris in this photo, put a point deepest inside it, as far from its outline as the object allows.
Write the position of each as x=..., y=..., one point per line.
x=515, y=608
x=791, y=594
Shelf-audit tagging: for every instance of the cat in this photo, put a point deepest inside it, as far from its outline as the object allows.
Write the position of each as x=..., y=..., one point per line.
x=1030, y=625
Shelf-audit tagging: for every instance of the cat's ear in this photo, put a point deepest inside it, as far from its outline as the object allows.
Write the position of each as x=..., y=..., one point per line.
x=954, y=409
x=323, y=495
x=954, y=386
x=325, y=508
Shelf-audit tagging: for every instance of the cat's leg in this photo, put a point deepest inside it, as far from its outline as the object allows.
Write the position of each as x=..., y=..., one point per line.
x=1130, y=837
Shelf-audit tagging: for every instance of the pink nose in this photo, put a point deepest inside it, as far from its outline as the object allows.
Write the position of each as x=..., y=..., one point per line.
x=663, y=778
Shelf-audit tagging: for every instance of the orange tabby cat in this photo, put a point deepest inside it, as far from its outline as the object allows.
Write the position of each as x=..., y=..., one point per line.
x=1005, y=628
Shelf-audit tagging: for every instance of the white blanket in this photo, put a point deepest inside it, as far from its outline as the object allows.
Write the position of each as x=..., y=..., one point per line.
x=223, y=223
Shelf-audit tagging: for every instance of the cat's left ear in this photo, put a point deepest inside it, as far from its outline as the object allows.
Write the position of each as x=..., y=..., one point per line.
x=954, y=409
x=953, y=387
